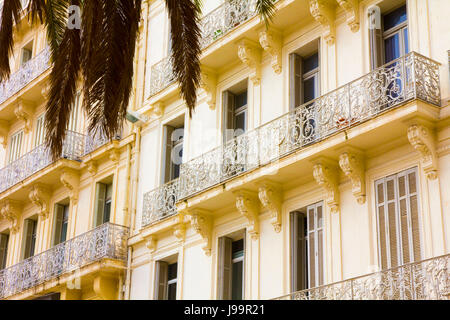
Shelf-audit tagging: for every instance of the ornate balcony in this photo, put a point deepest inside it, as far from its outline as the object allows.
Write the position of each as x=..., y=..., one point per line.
x=160, y=202
x=27, y=73
x=106, y=241
x=38, y=159
x=424, y=280
x=95, y=141
x=214, y=25
x=408, y=78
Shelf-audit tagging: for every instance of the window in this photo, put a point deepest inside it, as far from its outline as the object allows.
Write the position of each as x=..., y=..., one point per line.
x=397, y=207
x=103, y=200
x=307, y=252
x=30, y=238
x=231, y=269
x=166, y=280
x=395, y=34
x=74, y=114
x=4, y=240
x=15, y=148
x=26, y=53
x=40, y=131
x=235, y=111
x=61, y=223
x=173, y=151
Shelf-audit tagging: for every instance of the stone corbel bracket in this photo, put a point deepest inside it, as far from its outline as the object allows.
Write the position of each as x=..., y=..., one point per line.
x=201, y=222
x=114, y=155
x=4, y=129
x=156, y=110
x=91, y=167
x=45, y=90
x=24, y=111
x=351, y=8
x=422, y=139
x=326, y=174
x=250, y=54
x=179, y=230
x=71, y=180
x=271, y=42
x=11, y=210
x=209, y=85
x=40, y=196
x=247, y=204
x=151, y=243
x=270, y=195
x=352, y=164
x=324, y=12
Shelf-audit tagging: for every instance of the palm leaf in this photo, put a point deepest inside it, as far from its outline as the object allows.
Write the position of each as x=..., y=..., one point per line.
x=266, y=9
x=10, y=15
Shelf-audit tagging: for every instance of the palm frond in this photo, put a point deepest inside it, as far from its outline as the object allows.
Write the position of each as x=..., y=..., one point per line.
x=56, y=15
x=266, y=9
x=10, y=16
x=36, y=9
x=63, y=79
x=185, y=33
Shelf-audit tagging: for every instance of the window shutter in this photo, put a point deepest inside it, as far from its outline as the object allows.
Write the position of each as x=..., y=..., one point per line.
x=299, y=252
x=295, y=81
x=16, y=146
x=4, y=238
x=225, y=268
x=228, y=116
x=100, y=196
x=29, y=230
x=167, y=152
x=375, y=38
x=161, y=274
x=413, y=205
x=40, y=129
x=59, y=213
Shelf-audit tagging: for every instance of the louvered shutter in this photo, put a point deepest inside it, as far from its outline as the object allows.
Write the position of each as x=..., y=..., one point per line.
x=100, y=196
x=225, y=268
x=167, y=155
x=228, y=116
x=161, y=274
x=40, y=131
x=375, y=38
x=30, y=226
x=4, y=238
x=295, y=81
x=59, y=213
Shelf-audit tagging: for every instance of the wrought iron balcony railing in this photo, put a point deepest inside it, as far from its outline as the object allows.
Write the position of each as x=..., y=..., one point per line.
x=27, y=73
x=106, y=241
x=424, y=280
x=213, y=26
x=410, y=77
x=38, y=159
x=160, y=202
x=95, y=141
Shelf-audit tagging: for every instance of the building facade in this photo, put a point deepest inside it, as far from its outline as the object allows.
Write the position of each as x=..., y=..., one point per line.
x=316, y=164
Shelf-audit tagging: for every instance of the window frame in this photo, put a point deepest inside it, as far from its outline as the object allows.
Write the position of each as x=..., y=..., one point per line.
x=397, y=29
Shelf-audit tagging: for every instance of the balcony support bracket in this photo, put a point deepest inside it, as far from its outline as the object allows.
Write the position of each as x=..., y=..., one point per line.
x=422, y=139
x=270, y=40
x=40, y=196
x=324, y=11
x=71, y=180
x=351, y=8
x=151, y=243
x=179, y=230
x=4, y=129
x=24, y=111
x=269, y=194
x=105, y=287
x=250, y=54
x=201, y=221
x=209, y=85
x=248, y=206
x=351, y=162
x=11, y=210
x=326, y=174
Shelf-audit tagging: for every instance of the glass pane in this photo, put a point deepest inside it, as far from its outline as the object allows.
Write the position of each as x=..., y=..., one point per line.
x=237, y=275
x=172, y=271
x=404, y=231
x=380, y=193
x=382, y=234
x=172, y=291
x=319, y=217
x=107, y=212
x=312, y=261
x=241, y=100
x=310, y=63
x=311, y=219
x=392, y=235
x=415, y=228
x=405, y=35
x=63, y=232
x=401, y=186
x=390, y=190
x=240, y=120
x=412, y=182
x=392, y=48
x=395, y=18
x=320, y=257
x=309, y=89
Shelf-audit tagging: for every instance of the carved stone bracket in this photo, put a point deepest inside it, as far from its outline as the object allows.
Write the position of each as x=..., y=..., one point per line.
x=422, y=139
x=250, y=54
x=269, y=194
x=114, y=155
x=11, y=210
x=151, y=243
x=248, y=205
x=157, y=110
x=71, y=180
x=92, y=167
x=40, y=196
x=351, y=8
x=24, y=111
x=326, y=175
x=352, y=164
x=201, y=221
x=209, y=84
x=324, y=11
x=4, y=129
x=179, y=230
x=270, y=40
x=45, y=91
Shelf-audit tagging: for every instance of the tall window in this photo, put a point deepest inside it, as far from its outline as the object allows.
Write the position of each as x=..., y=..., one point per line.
x=4, y=239
x=30, y=238
x=26, y=53
x=103, y=200
x=166, y=280
x=40, y=131
x=398, y=219
x=61, y=223
x=15, y=148
x=304, y=78
x=395, y=34
x=173, y=152
x=231, y=269
x=307, y=252
x=235, y=112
